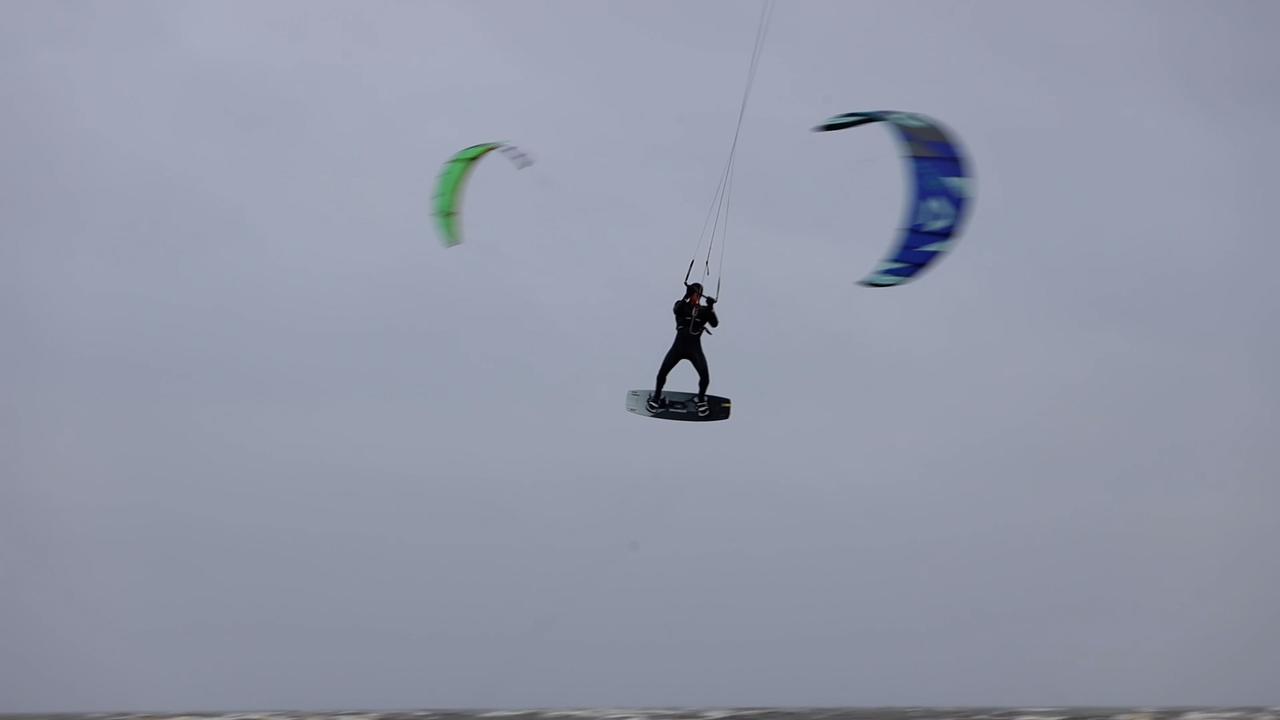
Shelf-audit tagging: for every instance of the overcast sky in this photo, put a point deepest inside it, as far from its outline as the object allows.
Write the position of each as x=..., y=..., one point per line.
x=265, y=443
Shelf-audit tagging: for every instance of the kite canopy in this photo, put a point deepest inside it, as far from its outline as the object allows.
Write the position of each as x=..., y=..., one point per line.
x=453, y=176
x=941, y=183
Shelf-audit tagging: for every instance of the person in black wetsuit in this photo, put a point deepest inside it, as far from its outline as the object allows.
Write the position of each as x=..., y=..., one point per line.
x=691, y=318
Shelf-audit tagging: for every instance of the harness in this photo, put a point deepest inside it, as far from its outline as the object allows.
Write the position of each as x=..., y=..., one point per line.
x=693, y=321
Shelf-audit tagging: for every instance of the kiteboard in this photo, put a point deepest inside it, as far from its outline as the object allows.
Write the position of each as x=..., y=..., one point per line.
x=679, y=406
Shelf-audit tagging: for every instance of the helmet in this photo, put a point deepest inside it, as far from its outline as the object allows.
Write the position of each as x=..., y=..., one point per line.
x=693, y=289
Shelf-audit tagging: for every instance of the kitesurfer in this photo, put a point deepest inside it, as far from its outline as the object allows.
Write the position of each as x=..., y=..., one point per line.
x=692, y=317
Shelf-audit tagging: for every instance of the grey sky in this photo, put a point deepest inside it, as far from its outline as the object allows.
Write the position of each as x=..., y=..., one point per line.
x=265, y=443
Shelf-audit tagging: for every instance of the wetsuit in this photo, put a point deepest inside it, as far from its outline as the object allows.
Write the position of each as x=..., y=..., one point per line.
x=690, y=320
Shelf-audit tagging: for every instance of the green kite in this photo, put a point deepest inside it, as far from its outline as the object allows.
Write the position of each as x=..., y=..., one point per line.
x=448, y=196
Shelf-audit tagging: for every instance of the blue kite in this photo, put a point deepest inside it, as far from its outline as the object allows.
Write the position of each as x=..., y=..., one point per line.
x=942, y=193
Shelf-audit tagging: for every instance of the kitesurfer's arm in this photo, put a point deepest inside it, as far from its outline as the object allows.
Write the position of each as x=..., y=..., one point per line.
x=712, y=320
x=686, y=312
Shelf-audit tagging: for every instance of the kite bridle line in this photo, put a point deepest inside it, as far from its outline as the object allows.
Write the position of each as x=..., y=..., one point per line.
x=720, y=201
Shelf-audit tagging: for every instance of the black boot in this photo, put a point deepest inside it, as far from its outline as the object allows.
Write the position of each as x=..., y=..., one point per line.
x=654, y=403
x=700, y=404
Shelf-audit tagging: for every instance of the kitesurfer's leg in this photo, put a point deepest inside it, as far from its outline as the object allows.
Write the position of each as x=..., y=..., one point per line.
x=704, y=380
x=704, y=374
x=672, y=357
x=669, y=361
